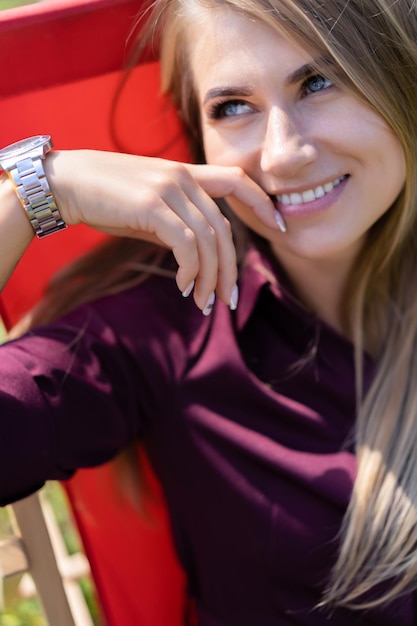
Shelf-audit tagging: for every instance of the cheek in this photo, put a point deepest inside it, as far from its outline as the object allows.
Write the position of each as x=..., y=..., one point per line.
x=222, y=149
x=379, y=145
x=389, y=172
x=211, y=144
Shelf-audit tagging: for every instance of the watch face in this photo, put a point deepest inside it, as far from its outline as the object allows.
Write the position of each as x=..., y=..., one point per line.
x=24, y=146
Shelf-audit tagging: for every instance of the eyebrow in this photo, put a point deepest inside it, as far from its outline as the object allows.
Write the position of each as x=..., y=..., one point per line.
x=307, y=70
x=226, y=92
x=299, y=74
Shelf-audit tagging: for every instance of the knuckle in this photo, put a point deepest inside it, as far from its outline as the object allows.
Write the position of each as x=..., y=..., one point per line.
x=208, y=235
x=177, y=172
x=167, y=178
x=167, y=186
x=228, y=226
x=221, y=226
x=150, y=198
x=225, y=227
x=238, y=173
x=189, y=239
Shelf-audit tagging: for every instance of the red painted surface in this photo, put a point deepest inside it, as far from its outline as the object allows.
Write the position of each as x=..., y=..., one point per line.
x=62, y=62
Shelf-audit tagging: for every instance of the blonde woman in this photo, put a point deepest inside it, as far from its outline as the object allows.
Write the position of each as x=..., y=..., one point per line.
x=273, y=381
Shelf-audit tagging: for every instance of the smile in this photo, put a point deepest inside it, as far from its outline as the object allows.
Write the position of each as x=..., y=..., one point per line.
x=310, y=194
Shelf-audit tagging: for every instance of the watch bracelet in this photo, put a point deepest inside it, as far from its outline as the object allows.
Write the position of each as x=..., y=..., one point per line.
x=35, y=195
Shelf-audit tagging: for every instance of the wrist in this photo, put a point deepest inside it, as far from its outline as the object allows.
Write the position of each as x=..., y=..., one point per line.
x=23, y=163
x=62, y=168
x=16, y=232
x=12, y=218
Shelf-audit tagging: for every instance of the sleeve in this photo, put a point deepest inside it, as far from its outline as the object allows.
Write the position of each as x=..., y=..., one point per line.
x=68, y=399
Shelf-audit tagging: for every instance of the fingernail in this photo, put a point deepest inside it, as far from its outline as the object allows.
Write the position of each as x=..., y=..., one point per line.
x=188, y=289
x=280, y=221
x=210, y=304
x=234, y=298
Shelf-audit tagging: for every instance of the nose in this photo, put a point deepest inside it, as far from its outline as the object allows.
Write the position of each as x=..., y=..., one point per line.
x=286, y=148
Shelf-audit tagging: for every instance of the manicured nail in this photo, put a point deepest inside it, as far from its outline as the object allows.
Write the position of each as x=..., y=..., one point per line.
x=234, y=298
x=280, y=221
x=188, y=289
x=210, y=304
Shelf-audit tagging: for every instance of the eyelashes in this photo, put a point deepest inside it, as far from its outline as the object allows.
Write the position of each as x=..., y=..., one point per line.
x=233, y=107
x=228, y=108
x=315, y=83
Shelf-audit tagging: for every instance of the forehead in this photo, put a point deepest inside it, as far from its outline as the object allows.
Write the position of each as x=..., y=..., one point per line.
x=224, y=46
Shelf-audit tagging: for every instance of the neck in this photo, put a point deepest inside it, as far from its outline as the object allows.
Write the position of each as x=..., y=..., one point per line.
x=321, y=286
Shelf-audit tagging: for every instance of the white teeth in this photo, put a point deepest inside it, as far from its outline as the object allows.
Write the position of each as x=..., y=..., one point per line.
x=310, y=194
x=296, y=198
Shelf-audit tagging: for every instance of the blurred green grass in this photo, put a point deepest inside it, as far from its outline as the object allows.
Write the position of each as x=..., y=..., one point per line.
x=10, y=4
x=2, y=331
x=19, y=611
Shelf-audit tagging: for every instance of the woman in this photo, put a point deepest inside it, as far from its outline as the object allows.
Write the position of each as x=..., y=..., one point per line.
x=282, y=422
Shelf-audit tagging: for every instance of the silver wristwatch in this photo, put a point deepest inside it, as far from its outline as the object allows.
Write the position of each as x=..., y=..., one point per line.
x=22, y=161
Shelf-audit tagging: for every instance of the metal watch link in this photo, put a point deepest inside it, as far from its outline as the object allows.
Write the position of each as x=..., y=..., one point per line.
x=22, y=161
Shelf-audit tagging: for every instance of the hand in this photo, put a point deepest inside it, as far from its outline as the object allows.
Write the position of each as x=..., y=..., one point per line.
x=163, y=201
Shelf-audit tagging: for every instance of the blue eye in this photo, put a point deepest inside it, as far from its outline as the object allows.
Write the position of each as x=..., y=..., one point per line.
x=316, y=83
x=229, y=108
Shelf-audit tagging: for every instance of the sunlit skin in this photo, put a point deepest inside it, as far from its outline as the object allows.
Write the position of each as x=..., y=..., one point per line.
x=294, y=133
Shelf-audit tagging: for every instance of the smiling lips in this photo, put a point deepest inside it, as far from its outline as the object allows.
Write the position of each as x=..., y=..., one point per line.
x=310, y=194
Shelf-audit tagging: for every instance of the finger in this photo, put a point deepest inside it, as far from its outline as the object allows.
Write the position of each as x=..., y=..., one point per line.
x=180, y=226
x=196, y=206
x=183, y=226
x=221, y=181
x=172, y=234
x=225, y=249
x=212, y=230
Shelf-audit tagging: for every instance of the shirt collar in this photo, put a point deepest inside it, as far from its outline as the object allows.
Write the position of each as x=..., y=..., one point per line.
x=259, y=270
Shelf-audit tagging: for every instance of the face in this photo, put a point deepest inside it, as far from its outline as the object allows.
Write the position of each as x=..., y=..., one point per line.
x=330, y=163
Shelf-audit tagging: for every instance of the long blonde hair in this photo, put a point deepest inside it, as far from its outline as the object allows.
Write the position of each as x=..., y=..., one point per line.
x=372, y=46
x=372, y=49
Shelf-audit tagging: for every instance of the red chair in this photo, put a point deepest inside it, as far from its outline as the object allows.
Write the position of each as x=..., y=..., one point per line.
x=62, y=64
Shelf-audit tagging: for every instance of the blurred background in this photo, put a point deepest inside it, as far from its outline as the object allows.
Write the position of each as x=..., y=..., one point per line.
x=9, y=4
